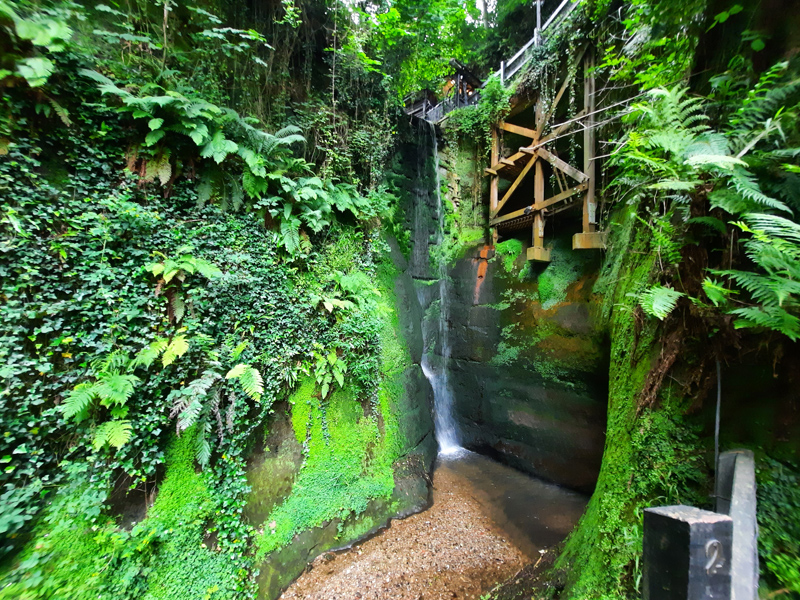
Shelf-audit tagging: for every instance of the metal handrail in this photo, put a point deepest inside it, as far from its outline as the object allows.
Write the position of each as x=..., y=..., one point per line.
x=507, y=67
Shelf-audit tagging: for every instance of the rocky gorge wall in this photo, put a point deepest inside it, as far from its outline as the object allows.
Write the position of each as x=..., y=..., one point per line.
x=301, y=468
x=527, y=357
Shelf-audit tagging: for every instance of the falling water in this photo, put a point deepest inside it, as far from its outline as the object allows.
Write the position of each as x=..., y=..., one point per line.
x=446, y=431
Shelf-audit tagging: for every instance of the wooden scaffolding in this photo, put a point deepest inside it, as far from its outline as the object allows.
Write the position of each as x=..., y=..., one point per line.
x=531, y=158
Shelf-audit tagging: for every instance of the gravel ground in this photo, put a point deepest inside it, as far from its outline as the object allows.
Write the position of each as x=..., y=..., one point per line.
x=452, y=550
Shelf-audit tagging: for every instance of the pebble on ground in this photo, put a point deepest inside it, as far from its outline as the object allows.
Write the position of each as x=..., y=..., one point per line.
x=452, y=550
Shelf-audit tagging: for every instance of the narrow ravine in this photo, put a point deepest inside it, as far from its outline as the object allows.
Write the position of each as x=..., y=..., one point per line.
x=487, y=521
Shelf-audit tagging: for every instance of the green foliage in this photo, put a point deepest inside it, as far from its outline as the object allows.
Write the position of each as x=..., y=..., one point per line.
x=508, y=251
x=659, y=301
x=779, y=524
x=476, y=121
x=675, y=156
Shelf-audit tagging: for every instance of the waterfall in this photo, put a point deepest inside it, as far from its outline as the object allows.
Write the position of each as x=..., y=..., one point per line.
x=437, y=375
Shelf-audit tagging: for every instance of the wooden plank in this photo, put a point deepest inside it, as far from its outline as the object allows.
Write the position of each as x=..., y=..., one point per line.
x=514, y=186
x=559, y=197
x=541, y=205
x=560, y=164
x=519, y=130
x=493, y=190
x=503, y=163
x=559, y=129
x=538, y=196
x=567, y=81
x=589, y=206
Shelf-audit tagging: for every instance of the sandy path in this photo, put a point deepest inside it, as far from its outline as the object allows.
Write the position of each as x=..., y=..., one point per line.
x=452, y=550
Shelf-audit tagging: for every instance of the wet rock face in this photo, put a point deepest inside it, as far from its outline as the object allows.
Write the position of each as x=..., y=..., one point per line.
x=528, y=364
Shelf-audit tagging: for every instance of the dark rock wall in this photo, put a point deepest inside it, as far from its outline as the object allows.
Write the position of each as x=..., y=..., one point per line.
x=529, y=361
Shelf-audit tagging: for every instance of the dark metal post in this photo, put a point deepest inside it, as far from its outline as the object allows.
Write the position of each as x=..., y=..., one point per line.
x=687, y=554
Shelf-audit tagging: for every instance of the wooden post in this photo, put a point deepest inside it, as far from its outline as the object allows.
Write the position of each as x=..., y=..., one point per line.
x=589, y=205
x=493, y=182
x=538, y=251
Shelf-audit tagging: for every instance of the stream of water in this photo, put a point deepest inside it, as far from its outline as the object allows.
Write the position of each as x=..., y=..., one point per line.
x=428, y=229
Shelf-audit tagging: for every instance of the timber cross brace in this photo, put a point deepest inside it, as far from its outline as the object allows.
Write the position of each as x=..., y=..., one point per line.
x=531, y=158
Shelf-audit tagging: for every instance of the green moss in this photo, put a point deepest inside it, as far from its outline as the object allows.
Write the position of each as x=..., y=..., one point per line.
x=338, y=477
x=508, y=252
x=649, y=456
x=186, y=567
x=349, y=453
x=779, y=524
x=565, y=267
x=83, y=555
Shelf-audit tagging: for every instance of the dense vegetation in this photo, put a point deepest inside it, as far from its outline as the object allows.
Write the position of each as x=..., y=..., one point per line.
x=194, y=201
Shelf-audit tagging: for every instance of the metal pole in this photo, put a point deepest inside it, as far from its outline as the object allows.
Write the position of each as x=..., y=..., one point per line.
x=716, y=435
x=538, y=22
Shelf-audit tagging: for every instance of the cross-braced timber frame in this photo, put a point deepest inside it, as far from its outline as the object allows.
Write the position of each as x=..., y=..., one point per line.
x=530, y=158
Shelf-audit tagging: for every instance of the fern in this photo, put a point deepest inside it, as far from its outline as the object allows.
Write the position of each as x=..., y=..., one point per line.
x=78, y=401
x=769, y=317
x=249, y=379
x=659, y=301
x=148, y=355
x=176, y=348
x=112, y=433
x=115, y=388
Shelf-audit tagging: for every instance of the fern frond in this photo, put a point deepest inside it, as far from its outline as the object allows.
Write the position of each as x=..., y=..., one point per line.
x=115, y=388
x=150, y=353
x=113, y=433
x=774, y=225
x=252, y=383
x=746, y=185
x=79, y=400
x=659, y=301
x=202, y=446
x=176, y=348
x=769, y=317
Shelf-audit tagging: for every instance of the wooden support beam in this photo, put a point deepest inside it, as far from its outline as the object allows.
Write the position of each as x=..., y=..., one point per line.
x=537, y=206
x=589, y=206
x=560, y=164
x=513, y=187
x=567, y=80
x=493, y=190
x=559, y=129
x=566, y=194
x=503, y=163
x=539, y=254
x=530, y=133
